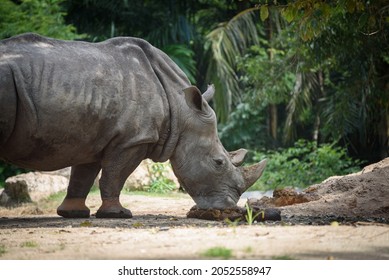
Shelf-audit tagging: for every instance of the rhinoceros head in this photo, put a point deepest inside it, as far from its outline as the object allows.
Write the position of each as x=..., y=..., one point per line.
x=212, y=176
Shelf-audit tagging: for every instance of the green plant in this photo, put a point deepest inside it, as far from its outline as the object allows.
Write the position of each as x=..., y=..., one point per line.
x=218, y=252
x=159, y=181
x=56, y=197
x=45, y=17
x=282, y=257
x=233, y=223
x=250, y=216
x=86, y=224
x=2, y=249
x=246, y=127
x=248, y=250
x=304, y=164
x=29, y=244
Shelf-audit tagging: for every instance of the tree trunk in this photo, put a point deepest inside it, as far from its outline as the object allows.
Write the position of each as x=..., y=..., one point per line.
x=316, y=125
x=273, y=116
x=273, y=121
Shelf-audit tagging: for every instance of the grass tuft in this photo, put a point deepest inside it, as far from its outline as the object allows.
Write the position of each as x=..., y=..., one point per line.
x=218, y=252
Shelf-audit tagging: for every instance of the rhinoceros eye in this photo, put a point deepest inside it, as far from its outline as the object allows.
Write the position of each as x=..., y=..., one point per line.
x=218, y=161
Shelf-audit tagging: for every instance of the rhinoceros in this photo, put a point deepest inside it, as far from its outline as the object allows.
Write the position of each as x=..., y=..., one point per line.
x=107, y=106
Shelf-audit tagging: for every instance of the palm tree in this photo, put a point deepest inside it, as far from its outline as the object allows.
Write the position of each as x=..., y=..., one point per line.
x=223, y=45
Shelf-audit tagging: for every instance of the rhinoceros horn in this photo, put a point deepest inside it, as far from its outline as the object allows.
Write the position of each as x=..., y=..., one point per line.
x=252, y=173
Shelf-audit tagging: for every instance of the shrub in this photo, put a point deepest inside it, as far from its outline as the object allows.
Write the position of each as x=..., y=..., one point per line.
x=304, y=164
x=160, y=183
x=8, y=170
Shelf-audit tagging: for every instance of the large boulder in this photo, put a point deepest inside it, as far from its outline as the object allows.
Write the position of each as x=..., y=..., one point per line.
x=32, y=186
x=145, y=173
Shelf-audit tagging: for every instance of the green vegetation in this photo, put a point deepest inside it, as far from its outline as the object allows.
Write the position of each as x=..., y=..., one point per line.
x=45, y=17
x=56, y=197
x=7, y=170
x=2, y=250
x=159, y=181
x=309, y=72
x=218, y=252
x=283, y=257
x=303, y=164
x=29, y=244
x=86, y=224
x=250, y=216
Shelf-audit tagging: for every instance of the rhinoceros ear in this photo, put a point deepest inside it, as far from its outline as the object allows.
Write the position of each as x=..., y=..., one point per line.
x=193, y=98
x=237, y=157
x=208, y=94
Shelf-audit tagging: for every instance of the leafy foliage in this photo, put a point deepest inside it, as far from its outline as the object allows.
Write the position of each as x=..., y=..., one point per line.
x=303, y=164
x=184, y=58
x=266, y=80
x=322, y=64
x=246, y=128
x=8, y=170
x=160, y=183
x=45, y=17
x=164, y=24
x=325, y=62
x=223, y=45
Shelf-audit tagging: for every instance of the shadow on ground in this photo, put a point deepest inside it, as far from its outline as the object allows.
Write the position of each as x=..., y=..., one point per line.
x=141, y=222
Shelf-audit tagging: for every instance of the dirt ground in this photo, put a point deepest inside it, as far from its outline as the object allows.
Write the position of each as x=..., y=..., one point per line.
x=344, y=217
x=160, y=230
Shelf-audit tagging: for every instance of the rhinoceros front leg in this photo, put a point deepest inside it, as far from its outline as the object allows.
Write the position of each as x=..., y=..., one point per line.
x=81, y=180
x=115, y=169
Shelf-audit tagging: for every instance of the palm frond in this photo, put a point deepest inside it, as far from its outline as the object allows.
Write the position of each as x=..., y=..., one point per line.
x=184, y=58
x=305, y=90
x=176, y=31
x=224, y=44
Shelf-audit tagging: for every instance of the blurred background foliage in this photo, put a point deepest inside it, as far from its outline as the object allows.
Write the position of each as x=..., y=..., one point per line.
x=304, y=82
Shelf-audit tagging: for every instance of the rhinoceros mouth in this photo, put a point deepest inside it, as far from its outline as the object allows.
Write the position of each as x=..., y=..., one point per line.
x=215, y=202
x=223, y=198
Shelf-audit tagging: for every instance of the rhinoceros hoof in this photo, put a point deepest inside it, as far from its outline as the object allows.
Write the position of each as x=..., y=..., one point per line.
x=74, y=213
x=122, y=214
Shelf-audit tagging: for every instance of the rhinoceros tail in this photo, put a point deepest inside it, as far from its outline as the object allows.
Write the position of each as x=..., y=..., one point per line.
x=8, y=103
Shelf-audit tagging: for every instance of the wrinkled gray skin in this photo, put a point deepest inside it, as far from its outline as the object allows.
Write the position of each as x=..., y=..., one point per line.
x=107, y=106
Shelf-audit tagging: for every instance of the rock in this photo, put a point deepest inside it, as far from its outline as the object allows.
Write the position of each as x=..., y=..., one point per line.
x=65, y=172
x=31, y=186
x=4, y=198
x=141, y=178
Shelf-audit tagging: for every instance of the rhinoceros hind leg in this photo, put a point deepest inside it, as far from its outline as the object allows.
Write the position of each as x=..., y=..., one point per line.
x=81, y=181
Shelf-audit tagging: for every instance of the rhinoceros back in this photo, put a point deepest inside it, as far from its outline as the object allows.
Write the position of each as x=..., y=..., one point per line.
x=73, y=98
